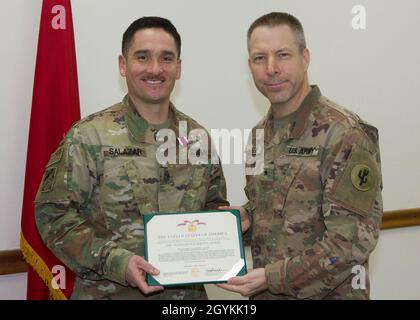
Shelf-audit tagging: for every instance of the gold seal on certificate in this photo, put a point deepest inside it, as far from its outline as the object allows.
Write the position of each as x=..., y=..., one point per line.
x=194, y=247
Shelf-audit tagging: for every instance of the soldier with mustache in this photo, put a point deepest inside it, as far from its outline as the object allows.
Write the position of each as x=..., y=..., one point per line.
x=105, y=176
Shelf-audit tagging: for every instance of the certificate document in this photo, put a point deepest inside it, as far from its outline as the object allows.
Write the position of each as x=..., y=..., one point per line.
x=194, y=247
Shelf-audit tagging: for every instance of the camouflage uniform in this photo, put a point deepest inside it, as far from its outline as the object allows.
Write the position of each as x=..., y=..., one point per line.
x=316, y=208
x=97, y=185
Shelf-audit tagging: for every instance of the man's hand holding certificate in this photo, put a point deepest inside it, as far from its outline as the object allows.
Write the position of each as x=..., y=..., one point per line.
x=195, y=247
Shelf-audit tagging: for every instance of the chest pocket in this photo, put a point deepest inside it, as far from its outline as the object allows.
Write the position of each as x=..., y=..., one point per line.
x=273, y=185
x=144, y=183
x=118, y=202
x=187, y=188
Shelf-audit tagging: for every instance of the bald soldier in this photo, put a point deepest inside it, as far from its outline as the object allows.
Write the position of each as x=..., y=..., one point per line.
x=315, y=207
x=105, y=176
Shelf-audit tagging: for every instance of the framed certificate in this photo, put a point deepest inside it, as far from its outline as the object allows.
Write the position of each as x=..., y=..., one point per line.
x=194, y=247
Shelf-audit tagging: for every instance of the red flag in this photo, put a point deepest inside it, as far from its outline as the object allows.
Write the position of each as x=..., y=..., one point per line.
x=55, y=107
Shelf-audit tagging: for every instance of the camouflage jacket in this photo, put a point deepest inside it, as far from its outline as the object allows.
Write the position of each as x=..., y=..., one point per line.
x=316, y=208
x=97, y=185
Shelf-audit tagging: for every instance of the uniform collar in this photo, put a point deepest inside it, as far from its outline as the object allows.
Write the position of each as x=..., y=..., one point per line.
x=298, y=122
x=142, y=131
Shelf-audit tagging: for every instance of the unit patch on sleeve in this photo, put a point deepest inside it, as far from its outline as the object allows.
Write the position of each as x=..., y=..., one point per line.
x=49, y=179
x=362, y=177
x=357, y=185
x=56, y=156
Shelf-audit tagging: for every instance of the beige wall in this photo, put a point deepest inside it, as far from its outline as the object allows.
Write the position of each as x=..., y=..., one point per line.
x=374, y=72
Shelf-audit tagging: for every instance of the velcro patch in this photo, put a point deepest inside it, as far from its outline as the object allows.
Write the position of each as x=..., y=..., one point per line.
x=302, y=151
x=362, y=177
x=49, y=179
x=125, y=152
x=357, y=186
x=56, y=156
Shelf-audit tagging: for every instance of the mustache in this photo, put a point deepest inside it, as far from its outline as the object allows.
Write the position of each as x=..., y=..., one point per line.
x=275, y=81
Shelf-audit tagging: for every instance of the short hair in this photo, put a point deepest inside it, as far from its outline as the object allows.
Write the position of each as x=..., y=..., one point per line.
x=274, y=19
x=149, y=23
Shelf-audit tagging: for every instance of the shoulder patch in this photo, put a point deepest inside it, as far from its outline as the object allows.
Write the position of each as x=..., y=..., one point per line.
x=54, y=179
x=357, y=185
x=362, y=178
x=56, y=156
x=49, y=179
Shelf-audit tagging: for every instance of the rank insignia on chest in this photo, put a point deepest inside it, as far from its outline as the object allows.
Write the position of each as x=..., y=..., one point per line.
x=302, y=151
x=124, y=152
